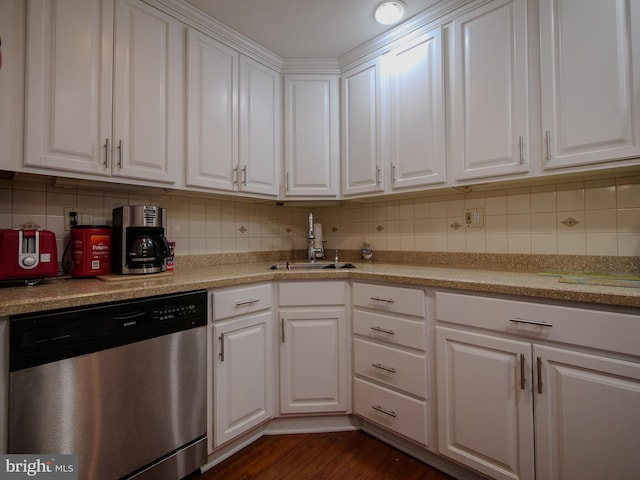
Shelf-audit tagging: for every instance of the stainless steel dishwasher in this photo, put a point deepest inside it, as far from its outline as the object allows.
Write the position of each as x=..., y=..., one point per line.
x=122, y=385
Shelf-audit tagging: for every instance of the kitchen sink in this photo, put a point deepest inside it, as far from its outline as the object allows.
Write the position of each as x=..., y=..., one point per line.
x=310, y=266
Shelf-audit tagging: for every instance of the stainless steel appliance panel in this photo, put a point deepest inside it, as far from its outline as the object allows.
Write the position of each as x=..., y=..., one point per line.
x=94, y=404
x=132, y=409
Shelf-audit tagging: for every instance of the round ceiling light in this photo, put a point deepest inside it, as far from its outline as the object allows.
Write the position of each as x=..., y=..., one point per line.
x=389, y=12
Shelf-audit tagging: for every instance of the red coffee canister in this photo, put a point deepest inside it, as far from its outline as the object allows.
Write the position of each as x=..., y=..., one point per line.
x=90, y=250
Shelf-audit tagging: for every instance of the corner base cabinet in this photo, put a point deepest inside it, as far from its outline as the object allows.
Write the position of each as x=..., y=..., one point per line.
x=578, y=369
x=313, y=347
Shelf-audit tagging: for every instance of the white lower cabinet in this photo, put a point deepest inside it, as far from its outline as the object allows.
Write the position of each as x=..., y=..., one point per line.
x=314, y=359
x=241, y=362
x=587, y=422
x=390, y=360
x=485, y=416
x=501, y=360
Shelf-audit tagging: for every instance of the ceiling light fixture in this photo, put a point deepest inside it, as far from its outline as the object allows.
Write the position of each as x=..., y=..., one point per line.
x=389, y=12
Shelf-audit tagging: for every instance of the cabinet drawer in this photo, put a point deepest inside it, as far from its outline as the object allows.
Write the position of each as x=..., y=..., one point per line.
x=612, y=331
x=395, y=330
x=407, y=301
x=312, y=293
x=395, y=411
x=229, y=302
x=396, y=368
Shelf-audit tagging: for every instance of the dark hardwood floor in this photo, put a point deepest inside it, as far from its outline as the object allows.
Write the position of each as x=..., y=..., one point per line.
x=320, y=456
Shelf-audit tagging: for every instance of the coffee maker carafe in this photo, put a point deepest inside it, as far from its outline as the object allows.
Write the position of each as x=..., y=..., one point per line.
x=139, y=242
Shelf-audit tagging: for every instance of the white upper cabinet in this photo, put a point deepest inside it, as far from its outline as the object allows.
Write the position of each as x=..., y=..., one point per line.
x=233, y=119
x=590, y=67
x=361, y=129
x=311, y=135
x=148, y=95
x=489, y=96
x=212, y=118
x=416, y=112
x=260, y=120
x=70, y=96
x=69, y=85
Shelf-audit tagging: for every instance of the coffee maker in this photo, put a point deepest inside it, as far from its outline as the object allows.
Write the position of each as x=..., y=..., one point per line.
x=139, y=242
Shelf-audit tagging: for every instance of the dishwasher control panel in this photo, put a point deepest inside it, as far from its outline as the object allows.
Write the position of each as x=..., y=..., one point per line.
x=54, y=335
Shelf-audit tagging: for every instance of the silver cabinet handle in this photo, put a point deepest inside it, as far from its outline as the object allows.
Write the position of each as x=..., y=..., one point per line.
x=380, y=299
x=221, y=354
x=106, y=153
x=286, y=183
x=521, y=145
x=393, y=173
x=282, y=329
x=247, y=302
x=539, y=368
x=547, y=138
x=383, y=330
x=530, y=322
x=522, y=379
x=244, y=175
x=379, y=366
x=377, y=175
x=235, y=175
x=379, y=408
x=119, y=153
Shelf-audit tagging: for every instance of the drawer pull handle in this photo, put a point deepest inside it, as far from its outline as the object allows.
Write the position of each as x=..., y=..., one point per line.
x=383, y=330
x=247, y=302
x=382, y=367
x=380, y=299
x=522, y=379
x=530, y=322
x=378, y=408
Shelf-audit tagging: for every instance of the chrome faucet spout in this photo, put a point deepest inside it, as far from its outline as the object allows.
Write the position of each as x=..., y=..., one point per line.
x=313, y=251
x=312, y=234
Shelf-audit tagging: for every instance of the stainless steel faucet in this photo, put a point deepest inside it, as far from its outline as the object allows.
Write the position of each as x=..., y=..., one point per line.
x=313, y=251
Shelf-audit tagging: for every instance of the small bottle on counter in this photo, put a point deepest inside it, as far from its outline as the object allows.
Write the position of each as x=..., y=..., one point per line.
x=171, y=257
x=366, y=252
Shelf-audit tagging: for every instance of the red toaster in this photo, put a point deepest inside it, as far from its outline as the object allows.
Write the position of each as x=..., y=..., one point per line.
x=27, y=254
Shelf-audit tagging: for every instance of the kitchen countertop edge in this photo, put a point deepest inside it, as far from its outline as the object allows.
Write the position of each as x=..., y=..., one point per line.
x=73, y=292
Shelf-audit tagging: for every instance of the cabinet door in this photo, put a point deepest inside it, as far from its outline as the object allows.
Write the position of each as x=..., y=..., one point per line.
x=416, y=105
x=242, y=358
x=68, y=85
x=311, y=135
x=587, y=422
x=212, y=113
x=590, y=67
x=485, y=411
x=489, y=93
x=313, y=361
x=148, y=93
x=260, y=119
x=362, y=129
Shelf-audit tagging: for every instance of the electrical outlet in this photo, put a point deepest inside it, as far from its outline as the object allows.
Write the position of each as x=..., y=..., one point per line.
x=474, y=217
x=83, y=216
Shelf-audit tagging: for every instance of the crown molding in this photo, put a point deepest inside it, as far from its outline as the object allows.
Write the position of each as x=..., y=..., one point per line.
x=311, y=65
x=195, y=18
x=433, y=16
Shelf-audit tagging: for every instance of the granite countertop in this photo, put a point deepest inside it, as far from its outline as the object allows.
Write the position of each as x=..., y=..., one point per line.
x=71, y=292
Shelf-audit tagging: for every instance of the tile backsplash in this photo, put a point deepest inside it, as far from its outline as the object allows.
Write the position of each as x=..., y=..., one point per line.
x=599, y=217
